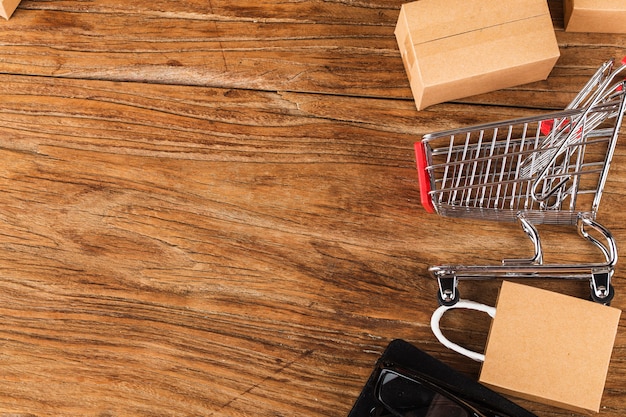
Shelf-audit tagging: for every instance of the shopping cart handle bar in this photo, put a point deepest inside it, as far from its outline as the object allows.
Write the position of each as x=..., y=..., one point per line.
x=424, y=177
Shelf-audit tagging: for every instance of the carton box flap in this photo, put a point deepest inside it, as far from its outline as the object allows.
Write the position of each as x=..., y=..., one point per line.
x=429, y=20
x=473, y=55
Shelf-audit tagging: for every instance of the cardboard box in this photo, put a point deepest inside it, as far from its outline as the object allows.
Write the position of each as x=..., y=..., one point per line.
x=457, y=48
x=607, y=16
x=549, y=347
x=7, y=7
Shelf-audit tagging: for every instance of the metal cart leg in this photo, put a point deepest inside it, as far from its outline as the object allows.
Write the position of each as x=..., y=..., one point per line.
x=598, y=274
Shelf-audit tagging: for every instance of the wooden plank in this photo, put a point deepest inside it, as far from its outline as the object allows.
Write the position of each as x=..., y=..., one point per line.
x=174, y=250
x=153, y=273
x=239, y=231
x=342, y=48
x=197, y=46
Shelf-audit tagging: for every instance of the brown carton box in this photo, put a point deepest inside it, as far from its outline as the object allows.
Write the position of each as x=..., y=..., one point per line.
x=457, y=48
x=608, y=16
x=549, y=347
x=7, y=7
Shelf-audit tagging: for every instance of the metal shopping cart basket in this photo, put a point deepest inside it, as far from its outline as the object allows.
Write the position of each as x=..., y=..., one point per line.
x=549, y=169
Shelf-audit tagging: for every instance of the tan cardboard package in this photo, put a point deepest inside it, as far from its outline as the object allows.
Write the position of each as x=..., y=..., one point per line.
x=607, y=16
x=549, y=347
x=7, y=7
x=457, y=48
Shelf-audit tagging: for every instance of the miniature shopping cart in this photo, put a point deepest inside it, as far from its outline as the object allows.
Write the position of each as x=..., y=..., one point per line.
x=549, y=169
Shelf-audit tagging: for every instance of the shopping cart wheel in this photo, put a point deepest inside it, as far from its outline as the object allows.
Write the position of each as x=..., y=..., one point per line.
x=448, y=293
x=603, y=300
x=450, y=300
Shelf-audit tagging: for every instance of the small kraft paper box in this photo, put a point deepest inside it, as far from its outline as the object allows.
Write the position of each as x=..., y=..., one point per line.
x=549, y=347
x=453, y=49
x=7, y=7
x=606, y=16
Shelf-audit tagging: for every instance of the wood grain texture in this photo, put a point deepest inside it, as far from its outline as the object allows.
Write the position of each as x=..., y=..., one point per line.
x=211, y=209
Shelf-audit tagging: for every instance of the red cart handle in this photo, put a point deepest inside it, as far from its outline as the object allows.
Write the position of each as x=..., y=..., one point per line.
x=424, y=177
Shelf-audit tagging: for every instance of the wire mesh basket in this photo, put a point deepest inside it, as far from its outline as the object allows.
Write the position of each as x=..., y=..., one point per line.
x=549, y=169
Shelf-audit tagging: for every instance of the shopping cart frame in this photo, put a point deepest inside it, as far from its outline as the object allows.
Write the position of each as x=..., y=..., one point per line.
x=600, y=96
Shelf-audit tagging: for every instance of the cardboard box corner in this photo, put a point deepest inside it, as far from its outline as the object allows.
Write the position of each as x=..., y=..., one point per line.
x=7, y=7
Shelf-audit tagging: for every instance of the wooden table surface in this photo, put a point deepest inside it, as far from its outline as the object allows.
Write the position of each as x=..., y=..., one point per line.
x=210, y=208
